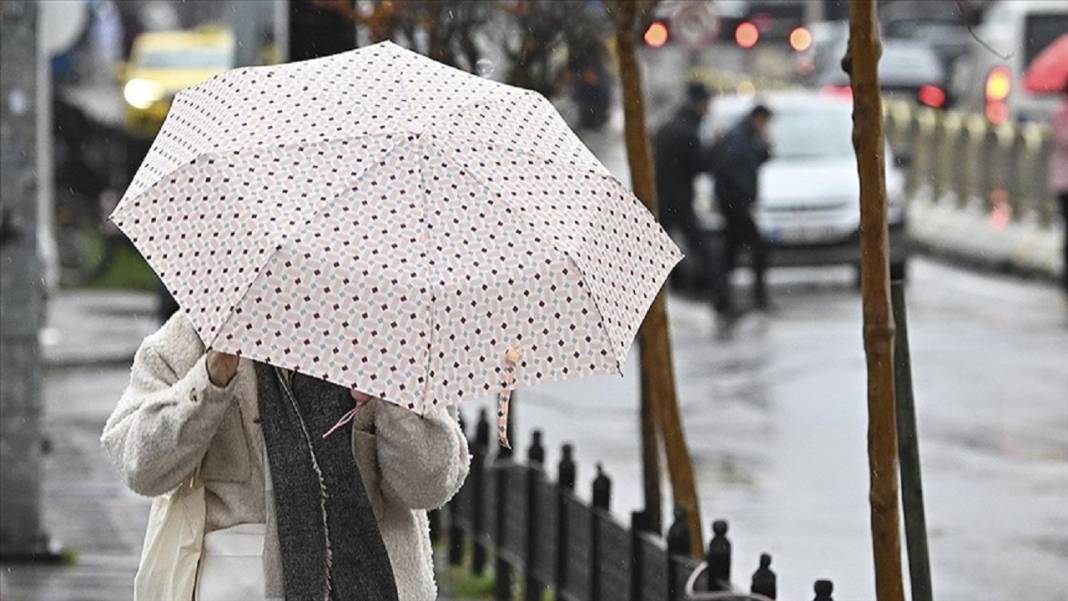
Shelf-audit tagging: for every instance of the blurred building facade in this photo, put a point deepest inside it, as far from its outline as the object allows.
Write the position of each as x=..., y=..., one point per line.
x=21, y=287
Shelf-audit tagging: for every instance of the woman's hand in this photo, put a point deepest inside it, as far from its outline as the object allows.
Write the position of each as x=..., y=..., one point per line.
x=221, y=367
x=361, y=398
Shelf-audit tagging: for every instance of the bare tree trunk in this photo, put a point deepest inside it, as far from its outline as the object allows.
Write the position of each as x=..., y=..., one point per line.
x=862, y=61
x=657, y=372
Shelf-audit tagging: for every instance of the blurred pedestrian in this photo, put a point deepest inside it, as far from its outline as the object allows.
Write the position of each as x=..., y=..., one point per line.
x=738, y=157
x=679, y=159
x=1058, y=173
x=269, y=479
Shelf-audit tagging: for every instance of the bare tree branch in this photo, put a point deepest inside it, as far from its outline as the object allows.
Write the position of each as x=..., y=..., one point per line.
x=982, y=42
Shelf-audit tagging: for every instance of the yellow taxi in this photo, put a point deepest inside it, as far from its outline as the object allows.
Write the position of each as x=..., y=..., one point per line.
x=164, y=62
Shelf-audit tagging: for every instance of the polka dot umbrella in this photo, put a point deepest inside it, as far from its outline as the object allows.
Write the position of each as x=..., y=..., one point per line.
x=385, y=222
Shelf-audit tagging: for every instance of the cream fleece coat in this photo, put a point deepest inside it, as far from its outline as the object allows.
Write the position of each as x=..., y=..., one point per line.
x=172, y=419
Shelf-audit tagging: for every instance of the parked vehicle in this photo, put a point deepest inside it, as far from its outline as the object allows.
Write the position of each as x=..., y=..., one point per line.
x=808, y=204
x=940, y=25
x=163, y=62
x=987, y=78
x=908, y=70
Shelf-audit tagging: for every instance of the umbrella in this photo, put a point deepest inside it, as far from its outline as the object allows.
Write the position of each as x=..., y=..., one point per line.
x=391, y=224
x=1048, y=73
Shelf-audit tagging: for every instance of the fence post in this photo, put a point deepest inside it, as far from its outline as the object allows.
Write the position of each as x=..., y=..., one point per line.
x=678, y=543
x=503, y=582
x=638, y=524
x=478, y=480
x=678, y=535
x=565, y=475
x=719, y=558
x=536, y=452
x=602, y=499
x=973, y=173
x=456, y=533
x=565, y=481
x=1046, y=203
x=535, y=458
x=602, y=489
x=1029, y=184
x=763, y=578
x=948, y=135
x=925, y=154
x=823, y=589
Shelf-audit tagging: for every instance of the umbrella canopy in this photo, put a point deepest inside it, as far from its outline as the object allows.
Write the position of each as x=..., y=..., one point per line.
x=1048, y=73
x=385, y=222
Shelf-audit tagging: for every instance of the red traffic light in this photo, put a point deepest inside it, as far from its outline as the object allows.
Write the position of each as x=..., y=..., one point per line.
x=656, y=35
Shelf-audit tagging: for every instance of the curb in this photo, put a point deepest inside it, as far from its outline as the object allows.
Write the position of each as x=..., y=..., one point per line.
x=967, y=237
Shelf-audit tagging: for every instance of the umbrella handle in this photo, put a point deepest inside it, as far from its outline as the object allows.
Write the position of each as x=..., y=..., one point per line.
x=511, y=358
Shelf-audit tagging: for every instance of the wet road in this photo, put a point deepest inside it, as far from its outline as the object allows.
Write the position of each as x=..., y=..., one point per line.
x=776, y=424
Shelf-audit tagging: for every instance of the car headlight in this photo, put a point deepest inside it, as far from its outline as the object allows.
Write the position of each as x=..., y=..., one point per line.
x=141, y=93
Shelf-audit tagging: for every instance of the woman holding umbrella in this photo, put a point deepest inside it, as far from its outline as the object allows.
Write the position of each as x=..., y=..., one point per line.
x=371, y=221
x=186, y=411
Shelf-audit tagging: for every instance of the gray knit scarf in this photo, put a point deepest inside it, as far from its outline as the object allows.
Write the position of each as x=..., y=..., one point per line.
x=331, y=548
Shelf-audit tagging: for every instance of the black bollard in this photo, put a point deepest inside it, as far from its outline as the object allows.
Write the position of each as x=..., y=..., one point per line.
x=565, y=471
x=536, y=452
x=719, y=558
x=565, y=483
x=456, y=533
x=602, y=489
x=477, y=478
x=482, y=431
x=503, y=573
x=823, y=589
x=678, y=535
x=764, y=578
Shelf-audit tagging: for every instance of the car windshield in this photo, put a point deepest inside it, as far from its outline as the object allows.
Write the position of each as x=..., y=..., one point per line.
x=811, y=133
x=213, y=58
x=917, y=29
x=805, y=133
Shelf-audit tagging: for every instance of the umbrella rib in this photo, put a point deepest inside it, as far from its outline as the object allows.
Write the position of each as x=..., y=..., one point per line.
x=545, y=106
x=124, y=204
x=484, y=96
x=431, y=282
x=203, y=92
x=285, y=238
x=587, y=288
x=571, y=166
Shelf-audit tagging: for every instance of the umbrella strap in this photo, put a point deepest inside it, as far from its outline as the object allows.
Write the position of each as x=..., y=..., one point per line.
x=504, y=397
x=348, y=417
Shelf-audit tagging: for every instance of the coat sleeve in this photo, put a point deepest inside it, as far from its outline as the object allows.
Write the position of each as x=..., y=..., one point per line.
x=423, y=460
x=167, y=416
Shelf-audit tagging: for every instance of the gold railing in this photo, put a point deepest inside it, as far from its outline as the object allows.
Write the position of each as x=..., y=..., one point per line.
x=963, y=159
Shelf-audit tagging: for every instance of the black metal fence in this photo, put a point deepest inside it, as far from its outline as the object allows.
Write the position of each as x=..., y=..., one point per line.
x=541, y=533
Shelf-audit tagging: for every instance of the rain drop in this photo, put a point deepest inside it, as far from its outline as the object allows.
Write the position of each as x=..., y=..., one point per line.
x=484, y=67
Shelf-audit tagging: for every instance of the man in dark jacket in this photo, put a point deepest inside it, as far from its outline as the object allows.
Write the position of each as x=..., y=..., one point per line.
x=680, y=158
x=738, y=157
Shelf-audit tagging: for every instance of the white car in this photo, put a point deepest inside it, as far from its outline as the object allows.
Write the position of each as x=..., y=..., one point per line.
x=808, y=205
